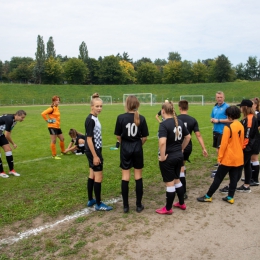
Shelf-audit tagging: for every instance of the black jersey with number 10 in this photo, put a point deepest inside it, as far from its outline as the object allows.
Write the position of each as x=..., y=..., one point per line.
x=126, y=128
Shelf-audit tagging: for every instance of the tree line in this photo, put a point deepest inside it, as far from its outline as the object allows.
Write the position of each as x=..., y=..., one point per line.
x=49, y=68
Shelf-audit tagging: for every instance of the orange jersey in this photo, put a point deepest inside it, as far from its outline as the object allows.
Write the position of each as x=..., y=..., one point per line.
x=231, y=148
x=52, y=113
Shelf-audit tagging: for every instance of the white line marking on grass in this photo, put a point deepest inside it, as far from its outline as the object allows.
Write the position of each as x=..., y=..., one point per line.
x=35, y=231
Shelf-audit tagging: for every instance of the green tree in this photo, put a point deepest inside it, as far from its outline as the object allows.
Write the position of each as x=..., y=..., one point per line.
x=251, y=68
x=94, y=69
x=160, y=62
x=83, y=52
x=23, y=73
x=40, y=59
x=186, y=72
x=110, y=71
x=1, y=70
x=174, y=56
x=211, y=64
x=125, y=57
x=147, y=73
x=53, y=71
x=50, y=48
x=199, y=71
x=16, y=61
x=141, y=61
x=62, y=58
x=240, y=71
x=223, y=70
x=75, y=71
x=172, y=72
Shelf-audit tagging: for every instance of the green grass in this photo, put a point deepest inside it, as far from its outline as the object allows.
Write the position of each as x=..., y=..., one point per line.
x=21, y=94
x=49, y=187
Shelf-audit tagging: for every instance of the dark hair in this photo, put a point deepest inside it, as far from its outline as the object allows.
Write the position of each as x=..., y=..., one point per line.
x=73, y=133
x=132, y=104
x=184, y=105
x=20, y=113
x=233, y=112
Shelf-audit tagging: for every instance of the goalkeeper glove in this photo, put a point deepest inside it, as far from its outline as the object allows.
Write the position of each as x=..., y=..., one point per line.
x=51, y=120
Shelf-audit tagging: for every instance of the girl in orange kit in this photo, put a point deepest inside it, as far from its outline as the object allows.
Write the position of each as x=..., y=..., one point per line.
x=52, y=116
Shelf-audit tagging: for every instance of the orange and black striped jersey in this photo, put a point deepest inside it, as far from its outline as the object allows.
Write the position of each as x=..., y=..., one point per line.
x=52, y=113
x=231, y=147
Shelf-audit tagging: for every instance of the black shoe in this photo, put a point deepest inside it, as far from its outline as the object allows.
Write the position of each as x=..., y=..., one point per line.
x=139, y=209
x=253, y=183
x=242, y=188
x=185, y=196
x=224, y=190
x=126, y=209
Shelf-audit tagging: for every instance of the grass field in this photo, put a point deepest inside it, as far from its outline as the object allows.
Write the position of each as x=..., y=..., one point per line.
x=49, y=187
x=20, y=94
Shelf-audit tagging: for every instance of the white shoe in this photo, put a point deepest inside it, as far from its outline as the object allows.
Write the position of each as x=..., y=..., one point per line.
x=13, y=172
x=79, y=153
x=4, y=175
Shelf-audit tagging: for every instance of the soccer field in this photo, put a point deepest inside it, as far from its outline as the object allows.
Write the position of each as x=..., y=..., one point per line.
x=51, y=187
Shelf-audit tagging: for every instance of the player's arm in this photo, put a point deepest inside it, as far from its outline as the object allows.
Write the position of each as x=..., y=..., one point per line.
x=143, y=140
x=47, y=112
x=185, y=141
x=70, y=147
x=158, y=118
x=118, y=137
x=162, y=146
x=200, y=139
x=96, y=159
x=9, y=139
x=222, y=121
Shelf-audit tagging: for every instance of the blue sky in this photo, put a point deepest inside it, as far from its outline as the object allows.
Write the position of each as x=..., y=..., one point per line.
x=196, y=29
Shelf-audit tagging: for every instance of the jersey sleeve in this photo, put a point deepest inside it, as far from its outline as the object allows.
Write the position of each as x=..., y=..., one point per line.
x=8, y=123
x=144, y=129
x=89, y=126
x=118, y=128
x=46, y=112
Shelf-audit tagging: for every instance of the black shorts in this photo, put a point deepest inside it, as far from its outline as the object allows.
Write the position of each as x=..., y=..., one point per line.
x=170, y=168
x=256, y=147
x=95, y=168
x=131, y=155
x=187, y=153
x=55, y=131
x=3, y=140
x=216, y=139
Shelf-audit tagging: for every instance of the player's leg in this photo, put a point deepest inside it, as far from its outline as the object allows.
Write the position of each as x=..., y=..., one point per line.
x=125, y=189
x=62, y=143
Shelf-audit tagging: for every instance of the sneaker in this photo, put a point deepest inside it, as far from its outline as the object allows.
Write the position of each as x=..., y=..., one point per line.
x=204, y=199
x=4, y=175
x=56, y=157
x=164, y=211
x=78, y=153
x=178, y=205
x=224, y=190
x=103, y=207
x=91, y=203
x=139, y=209
x=242, y=188
x=216, y=165
x=253, y=183
x=126, y=209
x=228, y=199
x=185, y=196
x=242, y=179
x=13, y=172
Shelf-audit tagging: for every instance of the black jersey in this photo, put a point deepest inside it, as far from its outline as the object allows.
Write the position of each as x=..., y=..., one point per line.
x=76, y=140
x=93, y=129
x=6, y=123
x=190, y=123
x=258, y=124
x=174, y=142
x=126, y=128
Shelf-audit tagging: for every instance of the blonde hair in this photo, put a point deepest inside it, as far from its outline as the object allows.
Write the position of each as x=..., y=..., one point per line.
x=247, y=111
x=132, y=104
x=95, y=97
x=256, y=102
x=169, y=110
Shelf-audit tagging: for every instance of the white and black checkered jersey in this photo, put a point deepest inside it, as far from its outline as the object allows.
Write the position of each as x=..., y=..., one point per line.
x=6, y=123
x=93, y=129
x=126, y=128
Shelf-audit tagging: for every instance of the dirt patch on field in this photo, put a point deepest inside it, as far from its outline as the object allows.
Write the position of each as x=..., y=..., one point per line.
x=215, y=230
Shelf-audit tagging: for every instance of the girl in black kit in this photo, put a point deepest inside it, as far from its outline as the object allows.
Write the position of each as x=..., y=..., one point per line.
x=77, y=143
x=93, y=147
x=173, y=138
x=131, y=131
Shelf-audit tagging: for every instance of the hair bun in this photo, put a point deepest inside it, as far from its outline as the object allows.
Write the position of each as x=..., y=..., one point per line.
x=95, y=95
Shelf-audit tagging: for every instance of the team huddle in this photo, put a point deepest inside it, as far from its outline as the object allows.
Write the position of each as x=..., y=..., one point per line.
x=237, y=144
